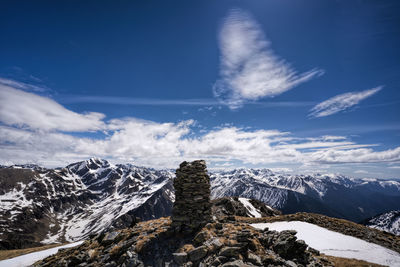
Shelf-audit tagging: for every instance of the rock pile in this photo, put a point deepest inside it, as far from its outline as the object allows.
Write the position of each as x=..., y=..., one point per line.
x=192, y=207
x=152, y=243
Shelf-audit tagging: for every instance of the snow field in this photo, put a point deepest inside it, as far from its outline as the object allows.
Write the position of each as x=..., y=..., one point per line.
x=29, y=259
x=250, y=208
x=336, y=244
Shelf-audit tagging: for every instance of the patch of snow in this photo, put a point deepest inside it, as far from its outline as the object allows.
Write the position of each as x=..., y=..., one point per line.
x=81, y=166
x=14, y=199
x=29, y=259
x=336, y=244
x=51, y=239
x=389, y=222
x=369, y=179
x=170, y=194
x=250, y=208
x=269, y=207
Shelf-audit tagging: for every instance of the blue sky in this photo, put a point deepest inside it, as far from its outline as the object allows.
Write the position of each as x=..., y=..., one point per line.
x=303, y=86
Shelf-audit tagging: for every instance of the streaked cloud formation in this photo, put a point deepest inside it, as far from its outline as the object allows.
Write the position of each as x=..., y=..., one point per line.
x=24, y=86
x=250, y=69
x=37, y=129
x=28, y=110
x=341, y=102
x=114, y=100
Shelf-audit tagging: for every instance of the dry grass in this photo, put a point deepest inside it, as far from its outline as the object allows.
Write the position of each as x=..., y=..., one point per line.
x=186, y=248
x=149, y=230
x=204, y=234
x=93, y=253
x=8, y=254
x=344, y=262
x=115, y=249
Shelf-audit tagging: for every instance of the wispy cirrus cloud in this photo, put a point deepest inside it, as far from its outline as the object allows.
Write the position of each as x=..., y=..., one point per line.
x=134, y=101
x=250, y=69
x=341, y=102
x=21, y=85
x=28, y=110
x=116, y=100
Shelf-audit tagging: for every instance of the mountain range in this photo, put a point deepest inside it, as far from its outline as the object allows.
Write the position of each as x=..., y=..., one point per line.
x=67, y=204
x=333, y=195
x=40, y=205
x=388, y=221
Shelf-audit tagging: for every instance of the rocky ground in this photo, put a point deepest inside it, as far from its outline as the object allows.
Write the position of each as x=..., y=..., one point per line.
x=226, y=206
x=382, y=238
x=204, y=233
x=222, y=243
x=43, y=206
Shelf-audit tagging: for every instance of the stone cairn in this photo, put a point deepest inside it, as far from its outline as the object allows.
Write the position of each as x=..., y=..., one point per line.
x=192, y=207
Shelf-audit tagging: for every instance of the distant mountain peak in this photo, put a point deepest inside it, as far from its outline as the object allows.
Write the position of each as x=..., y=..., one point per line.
x=90, y=195
x=388, y=221
x=72, y=202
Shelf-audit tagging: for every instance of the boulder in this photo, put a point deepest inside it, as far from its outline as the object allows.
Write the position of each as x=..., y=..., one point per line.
x=198, y=253
x=180, y=258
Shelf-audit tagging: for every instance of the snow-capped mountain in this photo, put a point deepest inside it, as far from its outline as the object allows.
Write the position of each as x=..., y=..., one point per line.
x=68, y=204
x=389, y=222
x=332, y=195
x=56, y=205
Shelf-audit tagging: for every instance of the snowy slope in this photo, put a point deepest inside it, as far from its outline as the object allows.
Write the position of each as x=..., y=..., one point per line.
x=389, y=222
x=68, y=204
x=251, y=210
x=29, y=259
x=336, y=244
x=333, y=195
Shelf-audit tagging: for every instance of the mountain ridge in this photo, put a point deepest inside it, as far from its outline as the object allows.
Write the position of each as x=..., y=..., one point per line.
x=70, y=203
x=388, y=222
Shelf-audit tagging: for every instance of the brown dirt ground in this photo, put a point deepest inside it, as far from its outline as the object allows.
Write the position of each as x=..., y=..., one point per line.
x=8, y=254
x=344, y=262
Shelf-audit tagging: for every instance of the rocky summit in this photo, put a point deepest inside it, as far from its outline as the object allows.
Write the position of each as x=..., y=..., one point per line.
x=192, y=237
x=43, y=206
x=192, y=207
x=155, y=243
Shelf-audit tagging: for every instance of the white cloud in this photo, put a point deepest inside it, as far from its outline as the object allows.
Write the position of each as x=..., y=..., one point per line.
x=207, y=104
x=25, y=109
x=139, y=101
x=21, y=85
x=167, y=144
x=282, y=170
x=44, y=139
x=361, y=172
x=333, y=137
x=250, y=69
x=360, y=155
x=341, y=102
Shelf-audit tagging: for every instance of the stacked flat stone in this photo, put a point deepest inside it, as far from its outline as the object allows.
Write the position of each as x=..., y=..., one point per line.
x=192, y=207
